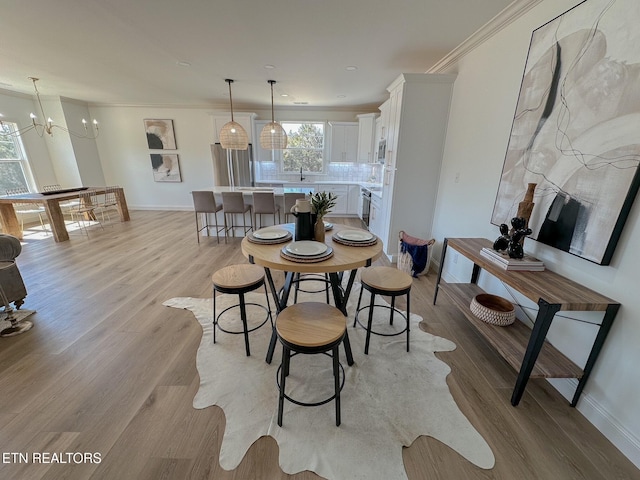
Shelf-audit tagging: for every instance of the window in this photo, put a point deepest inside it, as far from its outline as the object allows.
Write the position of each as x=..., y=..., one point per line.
x=305, y=147
x=14, y=169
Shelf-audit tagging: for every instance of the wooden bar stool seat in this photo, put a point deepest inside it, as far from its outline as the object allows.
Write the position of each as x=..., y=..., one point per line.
x=310, y=328
x=386, y=281
x=239, y=280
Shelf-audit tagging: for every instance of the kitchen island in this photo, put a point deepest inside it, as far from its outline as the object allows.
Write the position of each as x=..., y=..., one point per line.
x=277, y=191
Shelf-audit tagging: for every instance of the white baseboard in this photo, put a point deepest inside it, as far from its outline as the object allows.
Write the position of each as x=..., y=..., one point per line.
x=609, y=426
x=595, y=413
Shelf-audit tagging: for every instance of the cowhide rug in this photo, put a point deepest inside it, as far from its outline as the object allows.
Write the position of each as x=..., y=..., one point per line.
x=390, y=397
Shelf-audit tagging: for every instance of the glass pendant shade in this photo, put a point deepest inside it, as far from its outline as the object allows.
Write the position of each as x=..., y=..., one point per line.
x=232, y=135
x=273, y=136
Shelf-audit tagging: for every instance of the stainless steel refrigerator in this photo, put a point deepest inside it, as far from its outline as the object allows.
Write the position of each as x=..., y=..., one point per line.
x=232, y=168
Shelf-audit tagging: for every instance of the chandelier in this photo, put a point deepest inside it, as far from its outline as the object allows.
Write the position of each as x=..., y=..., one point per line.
x=41, y=126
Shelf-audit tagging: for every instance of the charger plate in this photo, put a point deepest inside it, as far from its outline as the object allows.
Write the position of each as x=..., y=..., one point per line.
x=339, y=240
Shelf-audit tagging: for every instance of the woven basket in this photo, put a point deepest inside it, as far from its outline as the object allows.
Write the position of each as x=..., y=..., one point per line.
x=405, y=263
x=493, y=309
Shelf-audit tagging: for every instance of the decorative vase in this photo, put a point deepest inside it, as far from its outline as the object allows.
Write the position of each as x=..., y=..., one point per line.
x=318, y=230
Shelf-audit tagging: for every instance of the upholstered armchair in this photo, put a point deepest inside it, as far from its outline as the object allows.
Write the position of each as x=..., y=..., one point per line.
x=10, y=278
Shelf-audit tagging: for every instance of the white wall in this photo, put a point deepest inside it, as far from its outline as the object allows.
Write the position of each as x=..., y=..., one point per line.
x=483, y=104
x=85, y=151
x=59, y=146
x=124, y=154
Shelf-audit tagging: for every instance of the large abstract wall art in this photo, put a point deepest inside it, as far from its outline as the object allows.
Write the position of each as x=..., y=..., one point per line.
x=576, y=130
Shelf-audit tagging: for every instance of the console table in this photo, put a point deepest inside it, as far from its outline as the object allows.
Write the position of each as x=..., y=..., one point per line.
x=523, y=348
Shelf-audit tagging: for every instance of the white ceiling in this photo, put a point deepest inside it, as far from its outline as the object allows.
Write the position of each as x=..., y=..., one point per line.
x=127, y=51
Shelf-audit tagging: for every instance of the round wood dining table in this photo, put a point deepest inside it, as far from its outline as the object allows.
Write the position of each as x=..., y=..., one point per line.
x=345, y=258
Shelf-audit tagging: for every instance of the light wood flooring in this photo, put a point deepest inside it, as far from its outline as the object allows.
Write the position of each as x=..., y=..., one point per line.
x=108, y=369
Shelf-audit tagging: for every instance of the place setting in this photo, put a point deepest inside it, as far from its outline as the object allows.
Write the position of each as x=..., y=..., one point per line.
x=355, y=238
x=270, y=236
x=306, y=251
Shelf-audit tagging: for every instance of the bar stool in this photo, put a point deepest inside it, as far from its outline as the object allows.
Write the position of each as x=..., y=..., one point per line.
x=386, y=281
x=290, y=201
x=265, y=202
x=239, y=280
x=232, y=203
x=204, y=202
x=310, y=328
x=311, y=277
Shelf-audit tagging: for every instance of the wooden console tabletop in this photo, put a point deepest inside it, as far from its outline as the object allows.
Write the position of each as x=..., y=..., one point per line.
x=523, y=348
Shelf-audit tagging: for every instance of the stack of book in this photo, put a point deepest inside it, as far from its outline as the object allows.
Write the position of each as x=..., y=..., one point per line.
x=502, y=259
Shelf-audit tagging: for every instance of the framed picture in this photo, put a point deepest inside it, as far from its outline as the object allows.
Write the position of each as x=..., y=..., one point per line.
x=575, y=130
x=166, y=167
x=160, y=134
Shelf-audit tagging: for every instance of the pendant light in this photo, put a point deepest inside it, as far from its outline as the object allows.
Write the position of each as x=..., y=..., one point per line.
x=273, y=136
x=232, y=135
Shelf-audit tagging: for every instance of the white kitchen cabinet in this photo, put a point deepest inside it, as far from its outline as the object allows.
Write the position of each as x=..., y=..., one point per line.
x=367, y=141
x=341, y=191
x=376, y=219
x=246, y=120
x=354, y=200
x=383, y=125
x=418, y=112
x=344, y=142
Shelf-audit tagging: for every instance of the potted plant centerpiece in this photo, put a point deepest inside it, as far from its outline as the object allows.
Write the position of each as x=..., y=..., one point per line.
x=322, y=203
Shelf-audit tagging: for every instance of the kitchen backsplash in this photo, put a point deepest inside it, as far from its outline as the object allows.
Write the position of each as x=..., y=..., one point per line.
x=336, y=172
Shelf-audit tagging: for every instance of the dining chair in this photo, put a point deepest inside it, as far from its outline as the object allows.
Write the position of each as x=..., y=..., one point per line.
x=65, y=206
x=310, y=328
x=290, y=201
x=204, y=203
x=28, y=209
x=107, y=201
x=84, y=213
x=233, y=203
x=240, y=280
x=265, y=202
x=388, y=282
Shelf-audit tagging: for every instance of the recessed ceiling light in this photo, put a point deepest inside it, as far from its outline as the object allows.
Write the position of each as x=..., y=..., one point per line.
x=342, y=96
x=301, y=103
x=181, y=63
x=351, y=68
x=269, y=67
x=284, y=94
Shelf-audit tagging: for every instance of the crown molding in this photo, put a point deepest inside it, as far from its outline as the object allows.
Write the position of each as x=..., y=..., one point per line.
x=508, y=15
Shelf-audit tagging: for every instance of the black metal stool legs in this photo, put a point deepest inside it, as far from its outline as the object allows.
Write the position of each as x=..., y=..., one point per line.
x=408, y=320
x=215, y=319
x=336, y=382
x=243, y=317
x=392, y=312
x=284, y=371
x=369, y=323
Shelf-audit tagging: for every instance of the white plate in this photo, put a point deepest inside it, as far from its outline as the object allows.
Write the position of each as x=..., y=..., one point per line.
x=328, y=226
x=270, y=233
x=355, y=235
x=306, y=248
